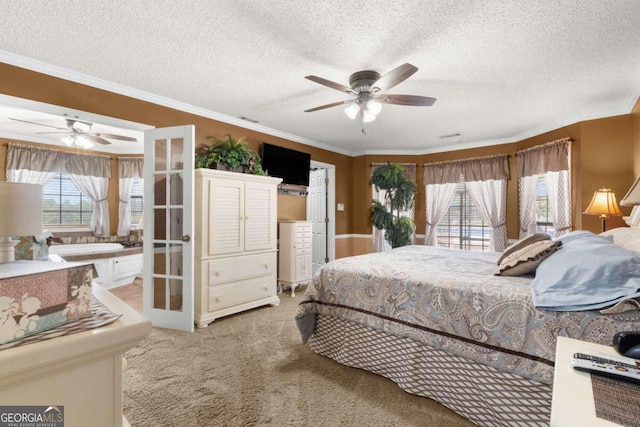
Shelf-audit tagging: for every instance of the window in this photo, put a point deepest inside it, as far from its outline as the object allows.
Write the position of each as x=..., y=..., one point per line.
x=462, y=226
x=63, y=204
x=136, y=202
x=544, y=219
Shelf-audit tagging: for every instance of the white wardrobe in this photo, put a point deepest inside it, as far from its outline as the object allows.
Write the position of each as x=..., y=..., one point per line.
x=235, y=243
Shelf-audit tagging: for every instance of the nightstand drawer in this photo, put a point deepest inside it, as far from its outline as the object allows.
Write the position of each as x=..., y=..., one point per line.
x=302, y=251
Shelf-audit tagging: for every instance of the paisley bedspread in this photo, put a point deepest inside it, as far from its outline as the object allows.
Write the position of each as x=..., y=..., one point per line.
x=450, y=299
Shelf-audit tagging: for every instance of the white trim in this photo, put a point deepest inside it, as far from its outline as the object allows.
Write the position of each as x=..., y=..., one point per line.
x=331, y=203
x=74, y=76
x=365, y=236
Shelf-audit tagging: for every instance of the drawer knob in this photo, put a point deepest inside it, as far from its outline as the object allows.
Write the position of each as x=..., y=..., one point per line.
x=218, y=273
x=266, y=265
x=217, y=298
x=265, y=287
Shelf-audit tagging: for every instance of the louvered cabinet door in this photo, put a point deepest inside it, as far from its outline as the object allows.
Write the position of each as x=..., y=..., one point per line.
x=260, y=218
x=226, y=216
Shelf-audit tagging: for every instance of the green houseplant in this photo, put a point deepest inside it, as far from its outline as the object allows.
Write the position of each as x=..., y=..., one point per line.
x=230, y=154
x=398, y=195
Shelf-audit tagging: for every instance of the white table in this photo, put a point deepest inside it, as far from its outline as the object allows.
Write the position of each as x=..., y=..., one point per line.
x=82, y=371
x=572, y=403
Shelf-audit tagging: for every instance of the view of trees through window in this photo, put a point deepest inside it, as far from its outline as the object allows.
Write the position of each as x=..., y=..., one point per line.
x=462, y=226
x=544, y=219
x=64, y=204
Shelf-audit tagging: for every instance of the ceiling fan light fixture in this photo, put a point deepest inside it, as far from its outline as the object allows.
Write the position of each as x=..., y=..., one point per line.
x=82, y=142
x=68, y=140
x=81, y=126
x=374, y=107
x=367, y=116
x=352, y=111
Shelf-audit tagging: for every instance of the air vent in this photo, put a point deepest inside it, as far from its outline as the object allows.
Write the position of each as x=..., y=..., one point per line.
x=453, y=135
x=249, y=119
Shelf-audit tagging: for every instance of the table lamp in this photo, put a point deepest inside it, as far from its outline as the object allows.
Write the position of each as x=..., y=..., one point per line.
x=20, y=215
x=632, y=198
x=603, y=204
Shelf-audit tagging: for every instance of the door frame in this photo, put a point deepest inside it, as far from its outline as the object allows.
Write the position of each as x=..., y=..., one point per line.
x=331, y=203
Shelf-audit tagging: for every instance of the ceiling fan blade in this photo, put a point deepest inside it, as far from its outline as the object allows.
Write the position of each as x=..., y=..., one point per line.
x=394, y=77
x=95, y=139
x=54, y=133
x=423, y=101
x=329, y=83
x=112, y=136
x=334, y=104
x=39, y=124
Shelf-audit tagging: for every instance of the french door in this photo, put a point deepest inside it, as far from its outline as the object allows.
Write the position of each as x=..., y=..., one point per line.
x=168, y=227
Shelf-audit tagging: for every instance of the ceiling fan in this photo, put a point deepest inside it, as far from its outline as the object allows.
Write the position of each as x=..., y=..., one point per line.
x=79, y=133
x=368, y=87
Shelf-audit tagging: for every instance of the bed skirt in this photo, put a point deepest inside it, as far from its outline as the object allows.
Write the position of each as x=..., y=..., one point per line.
x=480, y=393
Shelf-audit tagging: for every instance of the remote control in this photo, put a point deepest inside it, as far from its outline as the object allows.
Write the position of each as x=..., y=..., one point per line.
x=607, y=367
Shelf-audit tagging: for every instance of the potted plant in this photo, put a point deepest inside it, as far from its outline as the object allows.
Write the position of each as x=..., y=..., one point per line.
x=230, y=154
x=398, y=195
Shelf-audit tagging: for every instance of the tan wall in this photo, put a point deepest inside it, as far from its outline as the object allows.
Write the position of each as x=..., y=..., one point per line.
x=35, y=86
x=601, y=153
x=604, y=152
x=635, y=137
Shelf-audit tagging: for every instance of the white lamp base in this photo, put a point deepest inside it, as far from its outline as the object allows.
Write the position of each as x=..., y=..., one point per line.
x=7, y=249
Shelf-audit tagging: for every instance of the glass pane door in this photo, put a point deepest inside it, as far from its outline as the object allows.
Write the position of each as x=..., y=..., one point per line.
x=168, y=218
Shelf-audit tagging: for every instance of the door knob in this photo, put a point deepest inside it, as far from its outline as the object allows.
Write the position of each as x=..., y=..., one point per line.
x=186, y=238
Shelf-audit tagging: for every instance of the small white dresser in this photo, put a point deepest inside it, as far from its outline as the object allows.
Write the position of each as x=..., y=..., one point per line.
x=294, y=265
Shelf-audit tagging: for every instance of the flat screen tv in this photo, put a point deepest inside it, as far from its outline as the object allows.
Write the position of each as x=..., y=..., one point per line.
x=290, y=165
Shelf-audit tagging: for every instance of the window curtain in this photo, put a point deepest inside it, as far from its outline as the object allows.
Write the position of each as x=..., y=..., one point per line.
x=490, y=197
x=438, y=198
x=486, y=179
x=129, y=168
x=527, y=200
x=559, y=196
x=551, y=160
x=89, y=173
x=379, y=243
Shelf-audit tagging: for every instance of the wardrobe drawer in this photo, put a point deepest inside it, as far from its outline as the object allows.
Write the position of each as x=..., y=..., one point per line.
x=302, y=250
x=228, y=270
x=240, y=292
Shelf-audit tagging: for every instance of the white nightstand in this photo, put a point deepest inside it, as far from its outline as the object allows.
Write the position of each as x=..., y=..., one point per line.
x=572, y=403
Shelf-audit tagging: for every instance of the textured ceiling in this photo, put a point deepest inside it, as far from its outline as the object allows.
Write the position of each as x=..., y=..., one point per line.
x=500, y=70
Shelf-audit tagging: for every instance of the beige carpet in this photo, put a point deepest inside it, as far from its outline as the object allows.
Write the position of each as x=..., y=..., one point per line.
x=251, y=369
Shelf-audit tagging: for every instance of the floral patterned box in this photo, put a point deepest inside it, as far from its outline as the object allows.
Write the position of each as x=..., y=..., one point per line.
x=38, y=295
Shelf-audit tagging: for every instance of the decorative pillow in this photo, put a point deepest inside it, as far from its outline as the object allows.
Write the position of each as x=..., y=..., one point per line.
x=524, y=242
x=527, y=259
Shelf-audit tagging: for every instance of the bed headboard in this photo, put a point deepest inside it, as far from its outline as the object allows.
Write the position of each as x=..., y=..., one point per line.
x=627, y=237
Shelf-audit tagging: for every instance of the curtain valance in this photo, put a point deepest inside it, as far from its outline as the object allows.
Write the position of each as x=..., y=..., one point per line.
x=24, y=157
x=550, y=157
x=467, y=170
x=130, y=167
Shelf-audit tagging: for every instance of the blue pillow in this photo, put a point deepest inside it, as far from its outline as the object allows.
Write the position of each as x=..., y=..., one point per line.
x=587, y=272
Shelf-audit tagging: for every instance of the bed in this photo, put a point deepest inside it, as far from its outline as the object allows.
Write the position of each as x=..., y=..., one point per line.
x=440, y=324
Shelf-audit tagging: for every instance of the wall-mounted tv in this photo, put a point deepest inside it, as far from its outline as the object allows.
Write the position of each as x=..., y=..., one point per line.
x=290, y=165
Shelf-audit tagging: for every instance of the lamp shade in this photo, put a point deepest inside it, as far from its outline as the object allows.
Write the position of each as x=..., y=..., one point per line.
x=632, y=197
x=604, y=204
x=20, y=209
